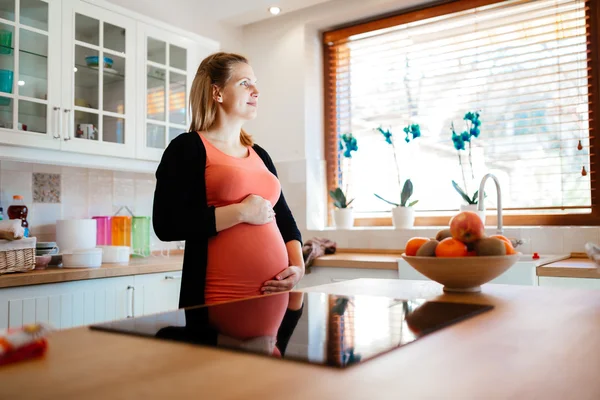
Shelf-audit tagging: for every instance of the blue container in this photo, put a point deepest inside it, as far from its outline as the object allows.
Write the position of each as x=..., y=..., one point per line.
x=92, y=61
x=6, y=85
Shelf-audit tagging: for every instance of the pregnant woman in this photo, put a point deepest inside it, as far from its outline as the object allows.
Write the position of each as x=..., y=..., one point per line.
x=218, y=190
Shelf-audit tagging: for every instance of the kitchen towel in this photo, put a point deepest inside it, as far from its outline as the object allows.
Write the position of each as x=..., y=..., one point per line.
x=315, y=248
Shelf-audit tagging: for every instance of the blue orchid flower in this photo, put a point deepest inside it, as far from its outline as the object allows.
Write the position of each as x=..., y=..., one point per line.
x=473, y=117
x=415, y=130
x=386, y=134
x=349, y=143
x=465, y=136
x=459, y=143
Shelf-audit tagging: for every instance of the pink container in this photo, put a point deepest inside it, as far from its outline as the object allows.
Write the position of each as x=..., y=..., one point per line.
x=103, y=231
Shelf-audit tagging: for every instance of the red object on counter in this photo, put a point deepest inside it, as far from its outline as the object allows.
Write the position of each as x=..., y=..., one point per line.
x=22, y=343
x=31, y=350
x=536, y=256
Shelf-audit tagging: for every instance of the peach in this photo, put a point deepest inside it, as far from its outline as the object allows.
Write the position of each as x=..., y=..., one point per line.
x=467, y=227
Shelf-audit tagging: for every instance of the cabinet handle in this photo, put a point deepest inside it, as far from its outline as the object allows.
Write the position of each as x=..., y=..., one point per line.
x=171, y=277
x=57, y=121
x=68, y=137
x=132, y=300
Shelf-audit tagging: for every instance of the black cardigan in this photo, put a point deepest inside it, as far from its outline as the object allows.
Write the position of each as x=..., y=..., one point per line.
x=181, y=212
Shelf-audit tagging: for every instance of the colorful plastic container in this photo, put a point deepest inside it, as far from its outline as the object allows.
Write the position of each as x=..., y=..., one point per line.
x=121, y=230
x=141, y=236
x=103, y=231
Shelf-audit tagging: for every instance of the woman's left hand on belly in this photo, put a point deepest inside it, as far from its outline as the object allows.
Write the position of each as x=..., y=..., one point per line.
x=284, y=281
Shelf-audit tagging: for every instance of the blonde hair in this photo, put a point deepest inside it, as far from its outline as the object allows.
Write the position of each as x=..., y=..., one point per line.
x=215, y=69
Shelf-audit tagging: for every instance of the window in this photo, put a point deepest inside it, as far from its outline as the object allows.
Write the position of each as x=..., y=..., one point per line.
x=528, y=67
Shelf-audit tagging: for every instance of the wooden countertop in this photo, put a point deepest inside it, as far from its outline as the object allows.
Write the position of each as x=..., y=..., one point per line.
x=575, y=267
x=364, y=260
x=136, y=266
x=536, y=343
x=571, y=268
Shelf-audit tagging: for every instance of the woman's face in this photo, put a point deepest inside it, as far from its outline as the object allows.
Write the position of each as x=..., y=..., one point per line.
x=239, y=97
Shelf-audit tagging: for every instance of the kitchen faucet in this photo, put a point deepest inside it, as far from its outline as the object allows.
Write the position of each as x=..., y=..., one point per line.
x=480, y=207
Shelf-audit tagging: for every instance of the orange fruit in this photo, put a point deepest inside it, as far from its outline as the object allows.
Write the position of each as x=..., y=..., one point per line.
x=451, y=248
x=507, y=243
x=414, y=244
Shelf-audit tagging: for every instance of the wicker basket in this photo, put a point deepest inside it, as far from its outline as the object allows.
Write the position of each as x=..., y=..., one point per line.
x=17, y=255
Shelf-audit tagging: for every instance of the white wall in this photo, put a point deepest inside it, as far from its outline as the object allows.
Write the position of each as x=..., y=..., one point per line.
x=191, y=16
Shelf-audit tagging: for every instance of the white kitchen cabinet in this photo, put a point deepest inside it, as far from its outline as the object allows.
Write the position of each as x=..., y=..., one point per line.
x=58, y=100
x=68, y=304
x=98, y=101
x=30, y=68
x=167, y=66
x=155, y=293
x=85, y=302
x=56, y=106
x=324, y=275
x=569, y=283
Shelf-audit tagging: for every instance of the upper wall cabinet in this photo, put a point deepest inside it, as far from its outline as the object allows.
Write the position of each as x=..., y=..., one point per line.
x=169, y=63
x=30, y=62
x=98, y=75
x=93, y=79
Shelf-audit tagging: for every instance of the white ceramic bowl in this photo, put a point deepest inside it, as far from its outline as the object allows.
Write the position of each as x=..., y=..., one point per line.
x=115, y=254
x=82, y=258
x=462, y=274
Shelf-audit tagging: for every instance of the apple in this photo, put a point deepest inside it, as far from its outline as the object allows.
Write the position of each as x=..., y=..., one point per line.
x=467, y=227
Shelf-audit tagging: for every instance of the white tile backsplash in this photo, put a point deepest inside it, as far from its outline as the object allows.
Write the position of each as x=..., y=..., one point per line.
x=144, y=190
x=15, y=182
x=75, y=193
x=123, y=191
x=576, y=238
x=42, y=217
x=85, y=193
x=100, y=192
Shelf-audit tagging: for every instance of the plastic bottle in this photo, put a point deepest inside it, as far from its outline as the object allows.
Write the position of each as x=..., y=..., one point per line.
x=18, y=210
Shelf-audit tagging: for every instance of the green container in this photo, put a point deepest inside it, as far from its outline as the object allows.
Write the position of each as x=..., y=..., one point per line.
x=5, y=41
x=140, y=227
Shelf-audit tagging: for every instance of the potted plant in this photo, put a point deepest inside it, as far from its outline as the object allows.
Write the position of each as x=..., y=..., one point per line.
x=343, y=215
x=473, y=124
x=403, y=213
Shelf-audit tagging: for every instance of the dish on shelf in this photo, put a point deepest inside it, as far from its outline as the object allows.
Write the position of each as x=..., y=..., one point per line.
x=92, y=61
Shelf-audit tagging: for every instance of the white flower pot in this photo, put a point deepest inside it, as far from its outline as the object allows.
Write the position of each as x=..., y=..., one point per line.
x=403, y=217
x=343, y=218
x=473, y=207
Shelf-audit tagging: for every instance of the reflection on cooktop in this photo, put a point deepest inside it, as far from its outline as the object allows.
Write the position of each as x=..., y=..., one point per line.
x=330, y=330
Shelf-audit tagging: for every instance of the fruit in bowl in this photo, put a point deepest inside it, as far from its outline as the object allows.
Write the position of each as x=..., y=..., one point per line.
x=465, y=260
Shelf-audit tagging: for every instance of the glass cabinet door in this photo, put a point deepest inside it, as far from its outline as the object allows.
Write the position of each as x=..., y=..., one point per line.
x=166, y=92
x=101, y=104
x=169, y=67
x=29, y=72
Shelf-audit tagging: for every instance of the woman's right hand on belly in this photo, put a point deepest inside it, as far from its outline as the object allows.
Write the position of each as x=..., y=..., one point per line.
x=256, y=210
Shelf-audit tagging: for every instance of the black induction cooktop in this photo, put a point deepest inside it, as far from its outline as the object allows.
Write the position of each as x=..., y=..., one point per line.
x=330, y=330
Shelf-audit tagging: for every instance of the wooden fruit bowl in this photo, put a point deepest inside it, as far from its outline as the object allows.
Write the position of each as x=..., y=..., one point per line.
x=462, y=274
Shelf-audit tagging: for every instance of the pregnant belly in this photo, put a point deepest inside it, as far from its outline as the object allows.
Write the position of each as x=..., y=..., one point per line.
x=241, y=259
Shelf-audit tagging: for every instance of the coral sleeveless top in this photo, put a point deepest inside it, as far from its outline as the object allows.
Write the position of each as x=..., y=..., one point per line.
x=243, y=257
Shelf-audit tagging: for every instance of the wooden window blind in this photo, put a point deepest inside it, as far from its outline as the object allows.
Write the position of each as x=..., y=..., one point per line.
x=528, y=67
